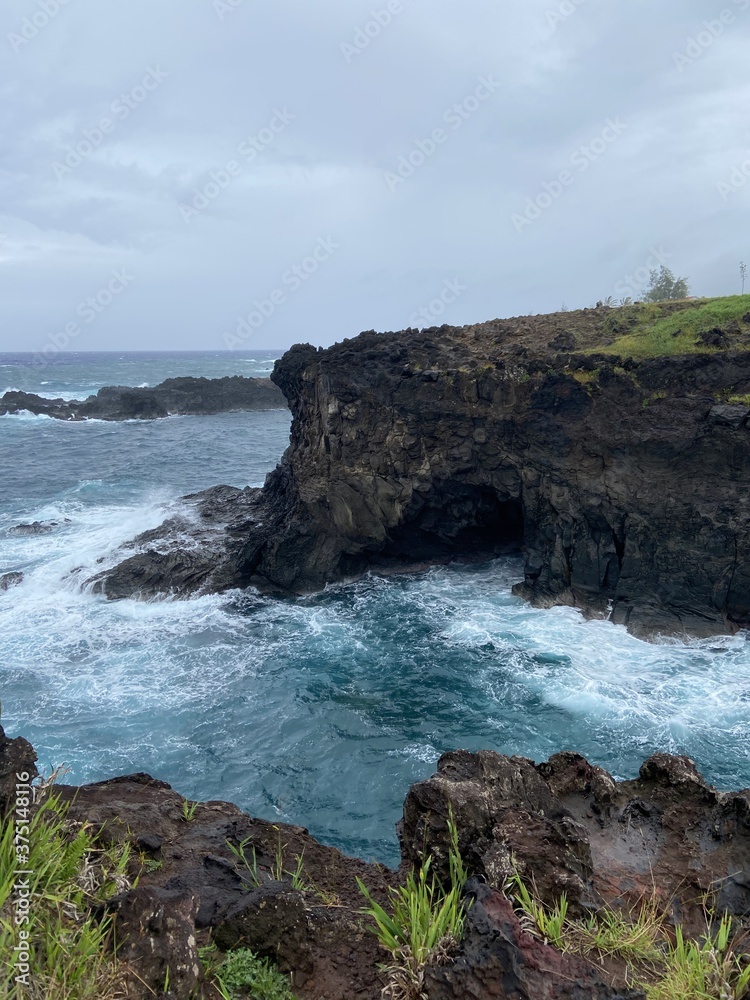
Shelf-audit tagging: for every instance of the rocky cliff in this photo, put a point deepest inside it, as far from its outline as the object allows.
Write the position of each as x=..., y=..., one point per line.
x=209, y=872
x=172, y=397
x=623, y=479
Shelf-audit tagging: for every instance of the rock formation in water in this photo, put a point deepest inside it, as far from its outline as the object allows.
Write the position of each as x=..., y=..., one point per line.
x=175, y=396
x=622, y=480
x=667, y=839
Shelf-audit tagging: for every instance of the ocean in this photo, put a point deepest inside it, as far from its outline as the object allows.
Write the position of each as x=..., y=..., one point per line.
x=320, y=710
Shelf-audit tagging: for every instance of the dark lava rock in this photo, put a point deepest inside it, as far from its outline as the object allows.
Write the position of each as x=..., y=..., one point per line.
x=728, y=415
x=154, y=933
x=715, y=337
x=570, y=827
x=17, y=758
x=426, y=446
x=563, y=342
x=498, y=959
x=8, y=580
x=35, y=528
x=567, y=824
x=171, y=397
x=217, y=520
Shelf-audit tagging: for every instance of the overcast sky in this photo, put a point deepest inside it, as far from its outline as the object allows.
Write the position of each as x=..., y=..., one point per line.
x=473, y=160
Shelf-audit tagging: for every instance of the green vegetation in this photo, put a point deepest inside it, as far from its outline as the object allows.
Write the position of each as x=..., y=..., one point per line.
x=241, y=975
x=276, y=872
x=743, y=400
x=549, y=925
x=188, y=810
x=650, y=336
x=587, y=379
x=663, y=286
x=68, y=958
x=425, y=925
x=702, y=971
x=666, y=966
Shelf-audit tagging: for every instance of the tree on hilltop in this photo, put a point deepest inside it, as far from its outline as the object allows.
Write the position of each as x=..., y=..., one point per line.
x=663, y=286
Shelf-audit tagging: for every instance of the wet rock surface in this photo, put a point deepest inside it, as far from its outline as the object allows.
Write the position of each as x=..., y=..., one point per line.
x=196, y=549
x=566, y=824
x=174, y=396
x=621, y=481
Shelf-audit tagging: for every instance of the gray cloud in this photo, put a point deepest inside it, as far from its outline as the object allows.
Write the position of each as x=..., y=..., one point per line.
x=366, y=100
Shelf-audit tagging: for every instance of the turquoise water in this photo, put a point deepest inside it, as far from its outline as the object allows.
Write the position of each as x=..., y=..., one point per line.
x=322, y=710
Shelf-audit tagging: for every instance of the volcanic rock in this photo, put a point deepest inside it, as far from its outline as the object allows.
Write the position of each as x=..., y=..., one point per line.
x=174, y=396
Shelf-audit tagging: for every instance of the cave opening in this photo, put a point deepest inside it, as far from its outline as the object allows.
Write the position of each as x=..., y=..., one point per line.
x=458, y=521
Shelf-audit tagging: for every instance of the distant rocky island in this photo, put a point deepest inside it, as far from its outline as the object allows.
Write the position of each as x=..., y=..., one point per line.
x=609, y=446
x=173, y=397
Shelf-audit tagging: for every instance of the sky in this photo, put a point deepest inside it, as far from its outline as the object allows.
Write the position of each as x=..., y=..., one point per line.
x=234, y=174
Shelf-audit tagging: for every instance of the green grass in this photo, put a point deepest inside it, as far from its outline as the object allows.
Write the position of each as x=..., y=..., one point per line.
x=633, y=934
x=425, y=924
x=704, y=970
x=277, y=871
x=550, y=925
x=743, y=400
x=665, y=969
x=69, y=958
x=678, y=332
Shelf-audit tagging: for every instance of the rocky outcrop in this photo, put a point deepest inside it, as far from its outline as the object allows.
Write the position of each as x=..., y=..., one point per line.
x=13, y=579
x=197, y=548
x=570, y=827
x=623, y=482
x=170, y=398
x=17, y=757
x=564, y=824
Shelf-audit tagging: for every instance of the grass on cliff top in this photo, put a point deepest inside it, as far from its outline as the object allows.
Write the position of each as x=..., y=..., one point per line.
x=67, y=956
x=662, y=962
x=679, y=332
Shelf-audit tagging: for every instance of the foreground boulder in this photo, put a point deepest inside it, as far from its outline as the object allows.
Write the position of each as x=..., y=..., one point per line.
x=175, y=396
x=571, y=828
x=622, y=481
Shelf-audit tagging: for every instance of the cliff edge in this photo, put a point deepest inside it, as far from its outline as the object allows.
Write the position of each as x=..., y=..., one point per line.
x=610, y=446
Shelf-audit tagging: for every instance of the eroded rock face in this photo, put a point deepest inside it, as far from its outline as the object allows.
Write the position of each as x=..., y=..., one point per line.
x=571, y=828
x=154, y=933
x=183, y=395
x=623, y=482
x=499, y=960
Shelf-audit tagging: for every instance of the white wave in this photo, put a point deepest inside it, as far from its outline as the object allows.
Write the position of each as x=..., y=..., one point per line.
x=25, y=415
